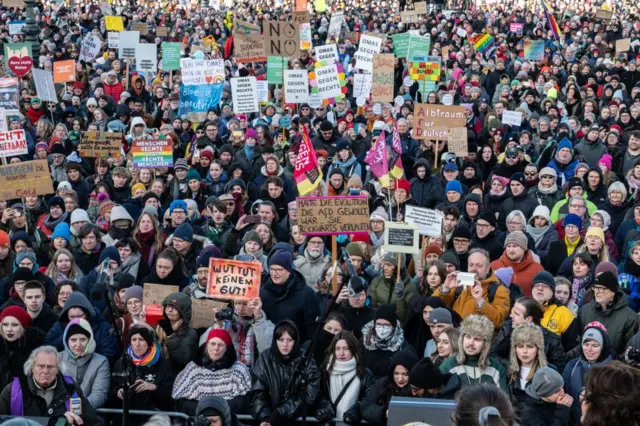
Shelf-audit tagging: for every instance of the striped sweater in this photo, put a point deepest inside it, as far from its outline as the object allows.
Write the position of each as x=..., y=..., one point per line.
x=196, y=382
x=470, y=374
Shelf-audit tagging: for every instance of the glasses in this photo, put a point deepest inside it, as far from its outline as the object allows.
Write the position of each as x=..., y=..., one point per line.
x=530, y=173
x=42, y=367
x=513, y=222
x=598, y=289
x=316, y=243
x=276, y=270
x=546, y=177
x=482, y=225
x=460, y=241
x=230, y=203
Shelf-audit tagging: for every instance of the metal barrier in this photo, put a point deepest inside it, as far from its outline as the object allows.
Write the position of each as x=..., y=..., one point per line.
x=184, y=416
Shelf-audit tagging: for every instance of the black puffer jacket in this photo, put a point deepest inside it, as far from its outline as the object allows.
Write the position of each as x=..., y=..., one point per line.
x=277, y=399
x=181, y=344
x=523, y=202
x=553, y=349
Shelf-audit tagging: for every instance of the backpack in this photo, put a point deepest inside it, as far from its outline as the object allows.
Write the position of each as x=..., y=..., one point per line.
x=17, y=403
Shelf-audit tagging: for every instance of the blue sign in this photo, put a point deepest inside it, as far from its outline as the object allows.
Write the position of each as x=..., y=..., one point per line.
x=199, y=98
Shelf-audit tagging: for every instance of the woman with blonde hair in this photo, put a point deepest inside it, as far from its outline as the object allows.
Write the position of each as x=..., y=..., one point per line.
x=525, y=358
x=143, y=176
x=446, y=345
x=63, y=267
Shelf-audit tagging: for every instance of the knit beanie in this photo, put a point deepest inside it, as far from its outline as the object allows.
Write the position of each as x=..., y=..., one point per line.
x=252, y=236
x=221, y=334
x=490, y=218
x=181, y=164
x=572, y=219
x=518, y=177
x=79, y=215
x=607, y=161
x=355, y=249
x=545, y=277
x=433, y=248
x=454, y=185
x=22, y=274
x=18, y=313
x=565, y=143
x=282, y=259
x=546, y=381
x=451, y=258
x=76, y=328
x=608, y=280
x=178, y=204
x=462, y=231
x=594, y=231
x=184, y=232
x=548, y=171
x=379, y=214
x=593, y=333
x=4, y=239
x=426, y=375
x=133, y=292
x=387, y=312
x=136, y=187
x=56, y=201
x=505, y=274
x=193, y=174
x=126, y=280
x=402, y=184
x=111, y=253
x=518, y=238
x=606, y=266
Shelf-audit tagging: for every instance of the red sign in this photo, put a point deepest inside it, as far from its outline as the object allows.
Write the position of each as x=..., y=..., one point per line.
x=20, y=66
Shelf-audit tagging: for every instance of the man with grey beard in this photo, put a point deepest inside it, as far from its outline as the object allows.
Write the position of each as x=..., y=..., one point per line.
x=312, y=262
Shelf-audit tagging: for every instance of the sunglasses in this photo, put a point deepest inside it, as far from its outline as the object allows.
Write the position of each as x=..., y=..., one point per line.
x=546, y=177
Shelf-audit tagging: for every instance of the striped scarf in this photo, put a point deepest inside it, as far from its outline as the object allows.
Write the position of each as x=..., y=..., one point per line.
x=148, y=360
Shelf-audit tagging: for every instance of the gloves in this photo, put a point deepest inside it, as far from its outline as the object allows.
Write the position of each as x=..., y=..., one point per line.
x=275, y=418
x=341, y=239
x=350, y=418
x=398, y=290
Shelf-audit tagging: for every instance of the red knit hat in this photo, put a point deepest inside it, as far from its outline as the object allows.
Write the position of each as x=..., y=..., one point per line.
x=4, y=239
x=402, y=184
x=18, y=313
x=361, y=238
x=220, y=334
x=433, y=248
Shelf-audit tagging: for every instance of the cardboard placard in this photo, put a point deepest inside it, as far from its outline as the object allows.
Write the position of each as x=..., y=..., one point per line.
x=64, y=71
x=383, y=69
x=13, y=3
x=604, y=14
x=623, y=45
x=150, y=153
x=333, y=215
x=234, y=279
x=420, y=7
x=202, y=312
x=434, y=121
x=162, y=32
x=409, y=17
x=100, y=144
x=401, y=238
x=512, y=118
x=247, y=43
x=281, y=38
x=243, y=91
x=13, y=143
x=154, y=294
x=29, y=178
x=428, y=221
x=301, y=5
x=457, y=141
x=141, y=27
x=300, y=17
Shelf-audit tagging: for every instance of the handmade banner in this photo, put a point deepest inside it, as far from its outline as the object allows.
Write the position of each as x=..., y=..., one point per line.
x=623, y=45
x=301, y=17
x=247, y=43
x=195, y=72
x=335, y=25
x=150, y=153
x=400, y=238
x=171, y=57
x=429, y=69
x=534, y=50
x=383, y=68
x=305, y=36
x=458, y=142
x=327, y=53
x=328, y=83
x=199, y=98
x=18, y=58
x=368, y=47
x=154, y=294
x=434, y=121
x=64, y=71
x=16, y=27
x=512, y=118
x=113, y=40
x=296, y=86
x=409, y=17
x=281, y=38
x=233, y=279
x=333, y=215
x=29, y=178
x=362, y=85
x=141, y=27
x=90, y=48
x=202, y=312
x=428, y=221
x=162, y=31
x=9, y=93
x=243, y=91
x=13, y=143
x=420, y=7
x=100, y=144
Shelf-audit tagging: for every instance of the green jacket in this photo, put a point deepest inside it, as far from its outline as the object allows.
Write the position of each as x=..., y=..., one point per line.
x=381, y=293
x=470, y=374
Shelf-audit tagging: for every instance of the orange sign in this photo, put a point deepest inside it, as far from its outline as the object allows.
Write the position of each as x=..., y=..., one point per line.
x=301, y=5
x=233, y=279
x=64, y=71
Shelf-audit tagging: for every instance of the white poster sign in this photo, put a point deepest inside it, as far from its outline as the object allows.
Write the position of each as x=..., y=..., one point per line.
x=328, y=81
x=428, y=221
x=328, y=53
x=147, y=57
x=362, y=85
x=201, y=71
x=129, y=40
x=45, y=89
x=368, y=47
x=113, y=40
x=262, y=86
x=296, y=86
x=337, y=18
x=512, y=118
x=245, y=96
x=90, y=48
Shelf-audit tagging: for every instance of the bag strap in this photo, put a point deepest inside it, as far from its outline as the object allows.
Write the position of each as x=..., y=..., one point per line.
x=335, y=403
x=491, y=294
x=17, y=403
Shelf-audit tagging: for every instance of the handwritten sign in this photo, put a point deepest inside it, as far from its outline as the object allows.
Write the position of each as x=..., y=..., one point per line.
x=247, y=43
x=296, y=86
x=162, y=31
x=13, y=143
x=154, y=294
x=141, y=27
x=333, y=215
x=29, y=178
x=512, y=118
x=534, y=50
x=100, y=144
x=516, y=28
x=114, y=23
x=434, y=121
x=300, y=17
x=400, y=238
x=202, y=312
x=327, y=52
x=382, y=87
x=203, y=71
x=428, y=221
x=604, y=14
x=281, y=38
x=420, y=7
x=368, y=47
x=457, y=141
x=90, y=48
x=233, y=279
x=150, y=153
x=623, y=45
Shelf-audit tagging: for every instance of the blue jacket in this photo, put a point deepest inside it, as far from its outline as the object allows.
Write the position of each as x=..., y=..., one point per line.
x=630, y=284
x=574, y=376
x=106, y=343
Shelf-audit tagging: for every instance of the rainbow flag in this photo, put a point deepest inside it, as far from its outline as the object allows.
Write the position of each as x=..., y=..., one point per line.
x=551, y=20
x=398, y=170
x=482, y=43
x=150, y=153
x=307, y=172
x=377, y=160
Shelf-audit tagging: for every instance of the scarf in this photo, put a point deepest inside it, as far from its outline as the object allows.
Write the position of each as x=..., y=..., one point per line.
x=148, y=360
x=52, y=223
x=633, y=182
x=392, y=343
x=341, y=373
x=579, y=287
x=249, y=152
x=376, y=241
x=571, y=246
x=546, y=191
x=243, y=337
x=537, y=233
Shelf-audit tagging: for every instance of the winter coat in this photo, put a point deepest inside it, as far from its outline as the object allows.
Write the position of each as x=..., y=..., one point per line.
x=181, y=345
x=45, y=319
x=381, y=291
x=13, y=355
x=367, y=382
x=620, y=321
x=491, y=243
x=176, y=277
x=311, y=269
x=591, y=151
x=377, y=358
x=574, y=376
x=293, y=300
x=543, y=199
x=523, y=202
x=438, y=193
x=87, y=261
x=558, y=252
x=106, y=344
x=421, y=188
x=92, y=373
x=349, y=168
x=543, y=413
x=523, y=271
x=357, y=318
x=470, y=374
x=501, y=346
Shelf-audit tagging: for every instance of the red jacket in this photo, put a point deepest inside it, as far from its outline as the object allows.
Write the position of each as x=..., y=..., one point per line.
x=114, y=90
x=523, y=271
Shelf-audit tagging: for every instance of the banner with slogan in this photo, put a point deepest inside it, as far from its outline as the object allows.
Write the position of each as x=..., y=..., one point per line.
x=234, y=279
x=199, y=98
x=150, y=153
x=247, y=42
x=100, y=144
x=114, y=23
x=307, y=172
x=327, y=52
x=170, y=56
x=305, y=36
x=281, y=38
x=9, y=93
x=147, y=57
x=328, y=81
x=418, y=47
x=29, y=178
x=64, y=71
x=428, y=70
x=195, y=72
x=244, y=94
x=296, y=86
x=333, y=215
x=368, y=47
x=382, y=87
x=434, y=121
x=401, y=44
x=13, y=143
x=275, y=66
x=534, y=50
x=90, y=48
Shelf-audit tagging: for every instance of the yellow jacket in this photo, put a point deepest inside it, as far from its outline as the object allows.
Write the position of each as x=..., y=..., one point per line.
x=465, y=304
x=557, y=318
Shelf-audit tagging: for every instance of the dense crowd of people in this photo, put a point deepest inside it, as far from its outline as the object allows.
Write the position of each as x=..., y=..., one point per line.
x=545, y=215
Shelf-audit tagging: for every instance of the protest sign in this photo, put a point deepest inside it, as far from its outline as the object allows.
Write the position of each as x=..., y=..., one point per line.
x=604, y=14
x=9, y=94
x=127, y=44
x=434, y=121
x=100, y=144
x=262, y=88
x=154, y=294
x=247, y=43
x=202, y=312
x=400, y=238
x=333, y=215
x=150, y=153
x=428, y=221
x=13, y=3
x=16, y=27
x=301, y=5
x=516, y=28
x=275, y=66
x=113, y=40
x=90, y=48
x=3, y=121
x=296, y=86
x=327, y=81
x=147, y=57
x=141, y=27
x=362, y=85
x=327, y=52
x=243, y=90
x=409, y=17
x=234, y=279
x=162, y=31
x=18, y=58
x=29, y=178
x=195, y=71
x=401, y=44
x=320, y=5
x=300, y=17
x=382, y=87
x=64, y=71
x=419, y=48
x=305, y=36
x=335, y=25
x=171, y=56
x=429, y=69
x=13, y=142
x=534, y=50
x=114, y=23
x=512, y=118
x=199, y=98
x=45, y=88
x=368, y=47
x=420, y=7
x=623, y=45
x=457, y=141
x=281, y=38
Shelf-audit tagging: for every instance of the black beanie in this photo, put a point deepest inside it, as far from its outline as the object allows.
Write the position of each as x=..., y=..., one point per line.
x=126, y=280
x=489, y=217
x=144, y=332
x=387, y=312
x=77, y=329
x=426, y=375
x=23, y=274
x=462, y=231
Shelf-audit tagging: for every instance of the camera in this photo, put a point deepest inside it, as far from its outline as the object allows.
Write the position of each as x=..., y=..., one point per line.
x=198, y=421
x=633, y=357
x=225, y=314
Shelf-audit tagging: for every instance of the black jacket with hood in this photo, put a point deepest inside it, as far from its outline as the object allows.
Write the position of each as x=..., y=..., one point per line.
x=220, y=406
x=182, y=344
x=421, y=188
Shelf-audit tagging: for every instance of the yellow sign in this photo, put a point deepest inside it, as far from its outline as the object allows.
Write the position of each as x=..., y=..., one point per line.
x=114, y=23
x=209, y=40
x=321, y=6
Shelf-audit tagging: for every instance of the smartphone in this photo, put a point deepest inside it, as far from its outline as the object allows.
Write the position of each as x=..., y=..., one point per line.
x=466, y=278
x=254, y=218
x=353, y=192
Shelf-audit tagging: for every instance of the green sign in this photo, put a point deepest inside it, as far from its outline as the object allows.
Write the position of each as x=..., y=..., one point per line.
x=20, y=50
x=170, y=56
x=275, y=66
x=400, y=44
x=418, y=47
x=425, y=87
